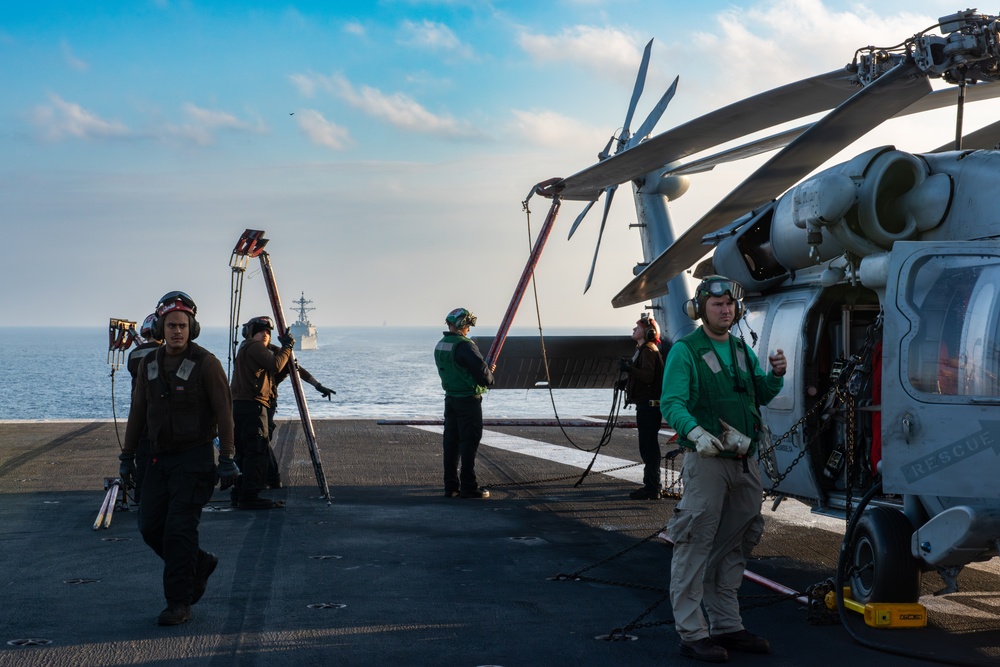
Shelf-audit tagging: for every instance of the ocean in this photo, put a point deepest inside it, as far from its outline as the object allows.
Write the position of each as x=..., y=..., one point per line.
x=63, y=373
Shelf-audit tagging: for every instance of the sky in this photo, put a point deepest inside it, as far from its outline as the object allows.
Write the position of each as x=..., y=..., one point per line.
x=384, y=146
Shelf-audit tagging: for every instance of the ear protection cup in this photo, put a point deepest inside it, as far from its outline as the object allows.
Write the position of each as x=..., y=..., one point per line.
x=250, y=327
x=649, y=334
x=195, y=328
x=691, y=308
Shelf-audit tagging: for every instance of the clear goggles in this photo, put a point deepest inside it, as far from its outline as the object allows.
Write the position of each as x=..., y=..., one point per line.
x=263, y=320
x=460, y=317
x=721, y=288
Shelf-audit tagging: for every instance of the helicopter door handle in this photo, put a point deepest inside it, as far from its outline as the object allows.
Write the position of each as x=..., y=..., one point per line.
x=909, y=426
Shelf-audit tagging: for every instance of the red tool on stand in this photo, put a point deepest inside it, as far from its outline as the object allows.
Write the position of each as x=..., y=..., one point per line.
x=529, y=271
x=251, y=244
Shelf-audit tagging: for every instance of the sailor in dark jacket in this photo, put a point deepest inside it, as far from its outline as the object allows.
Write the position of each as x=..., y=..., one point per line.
x=465, y=378
x=642, y=389
x=182, y=398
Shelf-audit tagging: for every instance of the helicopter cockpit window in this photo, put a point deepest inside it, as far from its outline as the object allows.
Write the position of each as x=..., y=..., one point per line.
x=955, y=350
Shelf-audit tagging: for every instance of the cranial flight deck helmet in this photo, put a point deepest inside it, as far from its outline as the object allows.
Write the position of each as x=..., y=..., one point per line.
x=714, y=286
x=650, y=329
x=461, y=318
x=148, y=328
x=170, y=302
x=256, y=325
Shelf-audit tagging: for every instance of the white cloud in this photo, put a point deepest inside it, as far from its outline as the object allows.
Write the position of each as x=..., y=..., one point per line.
x=549, y=128
x=204, y=123
x=397, y=109
x=435, y=37
x=72, y=60
x=62, y=119
x=775, y=42
x=607, y=50
x=321, y=131
x=305, y=84
x=354, y=28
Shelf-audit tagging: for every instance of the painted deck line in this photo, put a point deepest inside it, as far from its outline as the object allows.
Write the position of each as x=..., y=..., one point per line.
x=791, y=512
x=560, y=454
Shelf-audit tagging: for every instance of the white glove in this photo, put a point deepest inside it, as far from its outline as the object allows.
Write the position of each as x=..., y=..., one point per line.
x=733, y=440
x=705, y=443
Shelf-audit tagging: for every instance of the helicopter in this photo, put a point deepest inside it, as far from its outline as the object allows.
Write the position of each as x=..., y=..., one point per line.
x=878, y=277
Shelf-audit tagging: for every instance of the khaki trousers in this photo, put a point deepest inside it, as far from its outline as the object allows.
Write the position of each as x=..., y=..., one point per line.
x=714, y=527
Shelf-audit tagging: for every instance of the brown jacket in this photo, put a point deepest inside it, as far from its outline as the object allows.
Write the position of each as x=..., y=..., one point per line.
x=255, y=369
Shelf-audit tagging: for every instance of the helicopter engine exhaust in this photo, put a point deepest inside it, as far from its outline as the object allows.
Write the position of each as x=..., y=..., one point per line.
x=862, y=207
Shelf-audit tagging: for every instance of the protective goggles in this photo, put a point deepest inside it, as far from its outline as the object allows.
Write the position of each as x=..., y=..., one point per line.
x=263, y=321
x=460, y=317
x=175, y=301
x=148, y=325
x=721, y=288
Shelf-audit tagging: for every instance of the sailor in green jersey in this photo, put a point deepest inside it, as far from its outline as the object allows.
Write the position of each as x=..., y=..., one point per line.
x=465, y=378
x=713, y=387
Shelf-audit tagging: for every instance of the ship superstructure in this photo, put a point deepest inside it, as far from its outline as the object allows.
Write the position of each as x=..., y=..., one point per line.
x=302, y=329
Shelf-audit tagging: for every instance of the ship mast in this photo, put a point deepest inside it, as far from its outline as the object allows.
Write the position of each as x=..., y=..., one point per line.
x=302, y=310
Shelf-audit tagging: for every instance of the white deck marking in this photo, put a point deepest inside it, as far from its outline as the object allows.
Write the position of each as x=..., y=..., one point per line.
x=788, y=512
x=559, y=454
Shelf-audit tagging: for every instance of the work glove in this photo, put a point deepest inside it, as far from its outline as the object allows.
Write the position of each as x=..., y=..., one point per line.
x=733, y=440
x=326, y=392
x=126, y=470
x=227, y=472
x=705, y=443
x=287, y=340
x=624, y=365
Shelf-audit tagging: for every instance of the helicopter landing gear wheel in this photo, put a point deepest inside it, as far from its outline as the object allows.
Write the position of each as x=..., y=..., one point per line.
x=882, y=568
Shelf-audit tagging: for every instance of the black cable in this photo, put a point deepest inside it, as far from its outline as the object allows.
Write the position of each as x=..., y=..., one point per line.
x=612, y=419
x=114, y=410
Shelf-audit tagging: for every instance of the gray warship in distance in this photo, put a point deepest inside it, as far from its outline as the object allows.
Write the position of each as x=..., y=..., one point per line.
x=302, y=329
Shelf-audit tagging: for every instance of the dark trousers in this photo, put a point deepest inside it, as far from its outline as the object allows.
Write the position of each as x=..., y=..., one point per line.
x=647, y=421
x=141, y=461
x=273, y=471
x=253, y=452
x=174, y=490
x=463, y=429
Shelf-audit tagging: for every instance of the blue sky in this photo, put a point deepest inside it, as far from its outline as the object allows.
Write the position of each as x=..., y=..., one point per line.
x=384, y=146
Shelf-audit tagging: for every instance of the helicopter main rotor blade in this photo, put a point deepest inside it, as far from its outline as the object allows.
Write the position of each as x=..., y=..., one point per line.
x=640, y=82
x=879, y=101
x=579, y=218
x=600, y=234
x=654, y=116
x=985, y=138
x=767, y=109
x=938, y=99
x=771, y=143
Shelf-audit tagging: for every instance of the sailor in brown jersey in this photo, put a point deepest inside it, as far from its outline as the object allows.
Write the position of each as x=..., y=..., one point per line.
x=254, y=373
x=182, y=398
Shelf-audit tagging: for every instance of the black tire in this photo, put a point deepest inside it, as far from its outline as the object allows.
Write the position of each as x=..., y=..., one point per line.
x=882, y=567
